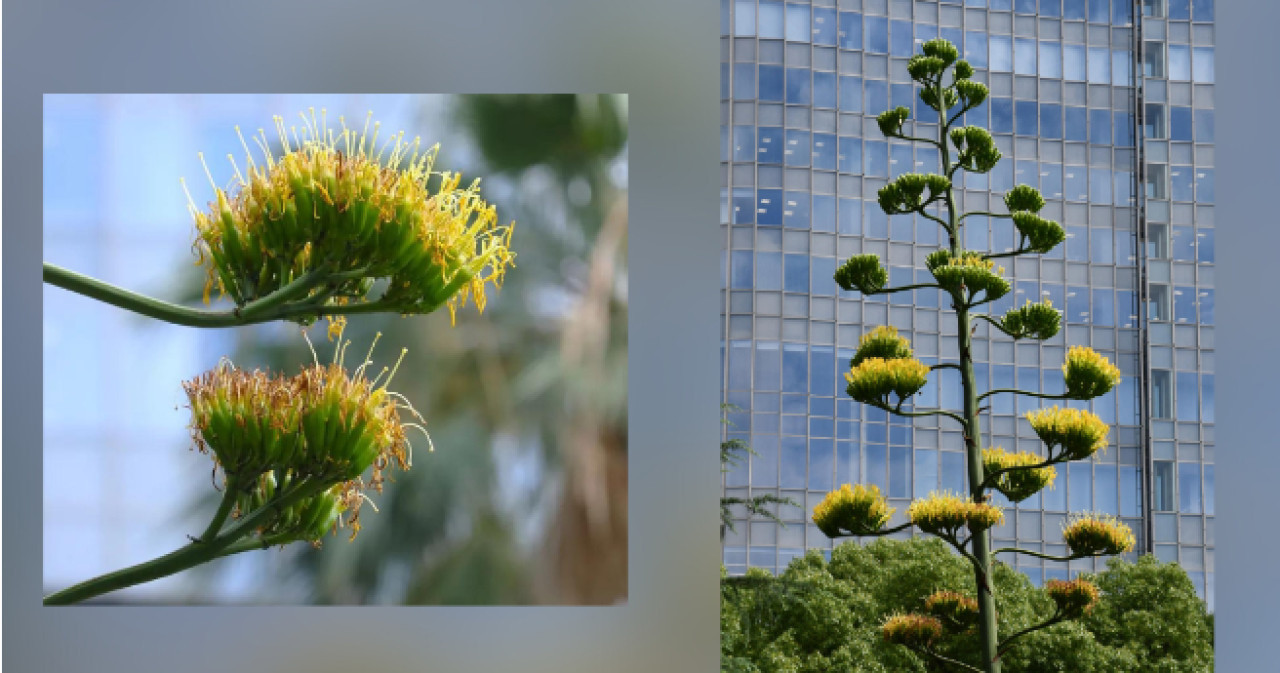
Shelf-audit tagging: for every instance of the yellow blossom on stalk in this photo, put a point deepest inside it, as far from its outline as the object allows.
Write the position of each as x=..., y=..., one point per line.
x=969, y=271
x=946, y=513
x=352, y=208
x=953, y=606
x=1097, y=535
x=1017, y=484
x=322, y=425
x=852, y=510
x=1077, y=432
x=1074, y=598
x=912, y=630
x=882, y=342
x=873, y=379
x=1088, y=374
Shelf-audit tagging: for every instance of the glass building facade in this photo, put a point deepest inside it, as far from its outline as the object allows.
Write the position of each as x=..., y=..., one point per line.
x=1107, y=107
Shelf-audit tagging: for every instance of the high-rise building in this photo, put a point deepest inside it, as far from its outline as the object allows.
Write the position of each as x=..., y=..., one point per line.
x=1107, y=107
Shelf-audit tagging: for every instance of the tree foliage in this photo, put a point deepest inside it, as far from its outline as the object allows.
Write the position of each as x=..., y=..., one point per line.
x=821, y=616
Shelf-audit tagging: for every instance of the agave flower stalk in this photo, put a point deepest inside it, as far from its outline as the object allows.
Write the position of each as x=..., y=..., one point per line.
x=884, y=374
x=309, y=233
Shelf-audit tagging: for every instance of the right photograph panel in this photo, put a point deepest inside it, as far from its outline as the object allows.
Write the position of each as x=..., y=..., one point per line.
x=968, y=334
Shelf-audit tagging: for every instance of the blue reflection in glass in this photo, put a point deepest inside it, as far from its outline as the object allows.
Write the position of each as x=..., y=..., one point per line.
x=795, y=375
x=1204, y=246
x=798, y=150
x=1001, y=53
x=822, y=281
x=1206, y=306
x=1075, y=183
x=1099, y=65
x=975, y=48
x=904, y=95
x=1203, y=10
x=769, y=274
x=1078, y=243
x=1206, y=391
x=1105, y=479
x=877, y=224
x=1100, y=127
x=1074, y=10
x=1024, y=6
x=1051, y=120
x=795, y=210
x=744, y=205
x=1001, y=115
x=797, y=273
x=824, y=151
x=744, y=21
x=824, y=213
x=798, y=86
x=850, y=214
x=798, y=27
x=1051, y=8
x=900, y=38
x=1179, y=62
x=1098, y=11
x=850, y=155
x=1189, y=488
x=794, y=453
x=821, y=459
x=876, y=158
x=1077, y=127
x=1024, y=56
x=1077, y=304
x=899, y=472
x=850, y=30
x=1121, y=12
x=1121, y=67
x=824, y=89
x=1050, y=59
x=1181, y=184
x=771, y=145
x=877, y=34
x=724, y=80
x=1130, y=491
x=1123, y=129
x=1073, y=62
x=1180, y=126
x=771, y=19
x=1184, y=307
x=744, y=80
x=1100, y=185
x=926, y=469
x=877, y=100
x=850, y=94
x=744, y=143
x=1179, y=9
x=764, y=465
x=899, y=159
x=1103, y=312
x=824, y=26
x=1203, y=125
x=740, y=274
x=1202, y=65
x=769, y=210
x=771, y=83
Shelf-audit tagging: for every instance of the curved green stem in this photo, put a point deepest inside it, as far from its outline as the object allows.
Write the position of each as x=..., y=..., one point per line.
x=186, y=557
x=1047, y=557
x=1028, y=393
x=1011, y=253
x=928, y=412
x=879, y=533
x=232, y=489
x=904, y=288
x=948, y=660
x=995, y=323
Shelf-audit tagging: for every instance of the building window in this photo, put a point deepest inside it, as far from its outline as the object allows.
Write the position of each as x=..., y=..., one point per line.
x=1161, y=394
x=1162, y=486
x=1153, y=8
x=1153, y=122
x=1153, y=60
x=1157, y=179
x=1157, y=241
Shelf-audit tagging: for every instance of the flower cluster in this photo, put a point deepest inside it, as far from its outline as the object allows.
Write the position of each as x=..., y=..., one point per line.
x=873, y=379
x=1024, y=198
x=321, y=426
x=1075, y=598
x=1078, y=433
x=924, y=68
x=967, y=271
x=946, y=513
x=1088, y=374
x=352, y=210
x=1038, y=320
x=1022, y=481
x=977, y=150
x=890, y=121
x=862, y=272
x=906, y=193
x=882, y=342
x=972, y=93
x=911, y=630
x=852, y=510
x=307, y=520
x=1040, y=234
x=1097, y=535
x=952, y=606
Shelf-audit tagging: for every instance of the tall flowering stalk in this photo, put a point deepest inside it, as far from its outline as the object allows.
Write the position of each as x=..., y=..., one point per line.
x=303, y=235
x=885, y=375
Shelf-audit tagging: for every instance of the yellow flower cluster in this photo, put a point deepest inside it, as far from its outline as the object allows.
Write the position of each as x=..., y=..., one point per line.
x=321, y=425
x=945, y=513
x=1074, y=598
x=852, y=510
x=1088, y=374
x=1022, y=483
x=1097, y=535
x=345, y=205
x=1077, y=432
x=968, y=270
x=882, y=342
x=911, y=630
x=952, y=605
x=873, y=379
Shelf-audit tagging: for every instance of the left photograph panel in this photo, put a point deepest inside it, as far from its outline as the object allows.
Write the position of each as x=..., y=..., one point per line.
x=335, y=349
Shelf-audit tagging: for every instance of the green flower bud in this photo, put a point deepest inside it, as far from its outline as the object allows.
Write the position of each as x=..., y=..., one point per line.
x=978, y=152
x=971, y=93
x=1025, y=198
x=344, y=204
x=852, y=510
x=882, y=342
x=890, y=121
x=1088, y=374
x=930, y=97
x=1042, y=234
x=968, y=272
x=963, y=70
x=942, y=49
x=924, y=68
x=862, y=272
x=1037, y=321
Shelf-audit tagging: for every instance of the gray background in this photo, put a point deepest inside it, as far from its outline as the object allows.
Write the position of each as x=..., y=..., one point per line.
x=663, y=53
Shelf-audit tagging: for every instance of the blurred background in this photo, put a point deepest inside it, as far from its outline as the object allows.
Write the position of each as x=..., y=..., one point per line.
x=524, y=500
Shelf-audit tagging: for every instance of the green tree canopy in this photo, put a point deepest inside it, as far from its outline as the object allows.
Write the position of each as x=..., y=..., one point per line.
x=827, y=616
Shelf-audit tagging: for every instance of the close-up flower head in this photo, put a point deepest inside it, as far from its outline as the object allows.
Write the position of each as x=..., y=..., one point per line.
x=341, y=208
x=1076, y=433
x=882, y=342
x=1088, y=374
x=874, y=379
x=911, y=630
x=1073, y=598
x=1021, y=482
x=852, y=510
x=1097, y=534
x=968, y=272
x=946, y=513
x=952, y=606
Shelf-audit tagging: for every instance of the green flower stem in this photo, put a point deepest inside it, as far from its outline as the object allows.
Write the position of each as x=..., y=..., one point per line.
x=985, y=213
x=1057, y=617
x=189, y=556
x=948, y=660
x=880, y=533
x=276, y=306
x=232, y=489
x=993, y=321
x=1046, y=396
x=255, y=544
x=1042, y=555
x=904, y=288
x=994, y=475
x=897, y=411
x=1011, y=253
